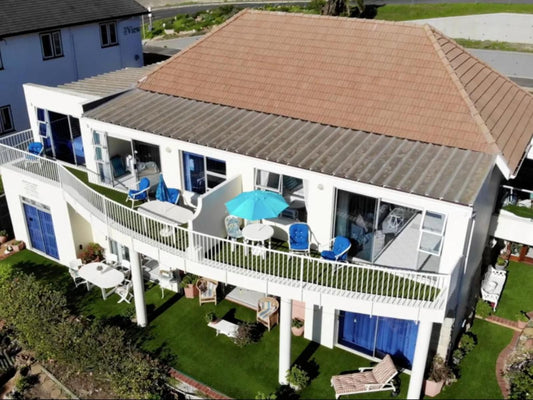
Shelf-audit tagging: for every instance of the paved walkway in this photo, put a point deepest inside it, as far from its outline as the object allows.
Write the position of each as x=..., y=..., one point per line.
x=200, y=387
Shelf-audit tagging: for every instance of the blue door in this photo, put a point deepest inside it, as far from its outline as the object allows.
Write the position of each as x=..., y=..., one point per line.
x=41, y=230
x=378, y=336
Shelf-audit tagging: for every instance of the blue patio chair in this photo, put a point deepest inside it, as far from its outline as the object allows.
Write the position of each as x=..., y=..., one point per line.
x=35, y=149
x=141, y=193
x=118, y=166
x=299, y=238
x=339, y=252
x=173, y=195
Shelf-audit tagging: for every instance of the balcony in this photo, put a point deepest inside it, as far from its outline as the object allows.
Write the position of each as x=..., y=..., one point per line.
x=514, y=221
x=211, y=254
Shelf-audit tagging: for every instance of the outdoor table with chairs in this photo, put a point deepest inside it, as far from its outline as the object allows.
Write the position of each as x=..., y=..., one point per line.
x=102, y=275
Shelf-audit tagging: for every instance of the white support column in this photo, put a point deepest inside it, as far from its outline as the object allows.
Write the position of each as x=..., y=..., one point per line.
x=420, y=359
x=284, y=339
x=138, y=288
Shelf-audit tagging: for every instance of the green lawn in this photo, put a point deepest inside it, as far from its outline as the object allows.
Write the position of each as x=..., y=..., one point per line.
x=1, y=185
x=179, y=335
x=516, y=295
x=394, y=12
x=478, y=368
x=116, y=195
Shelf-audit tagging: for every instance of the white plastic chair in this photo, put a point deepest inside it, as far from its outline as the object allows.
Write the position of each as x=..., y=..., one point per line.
x=78, y=280
x=124, y=291
x=111, y=259
x=75, y=264
x=125, y=267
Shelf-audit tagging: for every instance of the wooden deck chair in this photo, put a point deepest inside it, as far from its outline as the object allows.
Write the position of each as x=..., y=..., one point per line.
x=207, y=290
x=368, y=379
x=267, y=311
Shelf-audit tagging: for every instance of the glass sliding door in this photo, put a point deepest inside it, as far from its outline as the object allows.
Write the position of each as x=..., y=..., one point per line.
x=378, y=336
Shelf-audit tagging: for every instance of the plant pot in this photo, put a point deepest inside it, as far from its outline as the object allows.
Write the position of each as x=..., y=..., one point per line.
x=297, y=331
x=19, y=247
x=433, y=388
x=191, y=291
x=3, y=239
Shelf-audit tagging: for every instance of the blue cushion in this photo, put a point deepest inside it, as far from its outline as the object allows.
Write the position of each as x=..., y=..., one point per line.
x=118, y=166
x=328, y=255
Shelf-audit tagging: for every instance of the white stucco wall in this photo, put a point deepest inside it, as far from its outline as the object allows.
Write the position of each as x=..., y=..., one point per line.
x=83, y=56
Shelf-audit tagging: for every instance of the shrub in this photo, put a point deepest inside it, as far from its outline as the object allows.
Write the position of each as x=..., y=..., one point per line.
x=440, y=371
x=483, y=309
x=466, y=344
x=210, y=316
x=297, y=323
x=521, y=380
x=297, y=377
x=247, y=333
x=188, y=279
x=92, y=252
x=3, y=232
x=263, y=396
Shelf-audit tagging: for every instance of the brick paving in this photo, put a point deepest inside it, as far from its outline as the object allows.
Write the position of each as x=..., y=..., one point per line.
x=500, y=364
x=504, y=322
x=204, y=389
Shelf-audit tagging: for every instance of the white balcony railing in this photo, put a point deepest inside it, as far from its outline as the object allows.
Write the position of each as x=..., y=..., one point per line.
x=426, y=290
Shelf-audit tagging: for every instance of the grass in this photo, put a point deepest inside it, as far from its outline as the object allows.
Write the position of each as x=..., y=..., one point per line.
x=516, y=295
x=490, y=45
x=178, y=334
x=520, y=211
x=1, y=185
x=478, y=376
x=392, y=12
x=115, y=195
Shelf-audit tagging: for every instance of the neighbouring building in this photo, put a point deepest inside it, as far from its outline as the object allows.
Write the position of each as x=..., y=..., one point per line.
x=52, y=42
x=389, y=134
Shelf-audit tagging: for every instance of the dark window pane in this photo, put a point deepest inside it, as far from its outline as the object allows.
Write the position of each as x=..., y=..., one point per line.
x=103, y=32
x=213, y=181
x=113, y=33
x=40, y=114
x=5, y=116
x=216, y=166
x=47, y=46
x=57, y=44
x=194, y=174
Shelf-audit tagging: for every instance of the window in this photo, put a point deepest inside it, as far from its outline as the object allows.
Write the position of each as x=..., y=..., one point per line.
x=432, y=232
x=1, y=63
x=202, y=173
x=101, y=156
x=6, y=120
x=51, y=45
x=108, y=34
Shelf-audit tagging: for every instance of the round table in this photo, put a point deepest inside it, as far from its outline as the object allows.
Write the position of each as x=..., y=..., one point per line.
x=107, y=277
x=257, y=233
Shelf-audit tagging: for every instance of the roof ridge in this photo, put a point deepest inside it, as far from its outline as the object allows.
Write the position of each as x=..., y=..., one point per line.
x=197, y=42
x=485, y=131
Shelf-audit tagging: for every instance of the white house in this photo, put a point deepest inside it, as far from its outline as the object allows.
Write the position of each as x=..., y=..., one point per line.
x=53, y=42
x=388, y=134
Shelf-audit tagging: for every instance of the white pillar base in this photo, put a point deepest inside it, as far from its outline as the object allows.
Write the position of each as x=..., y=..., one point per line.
x=138, y=289
x=284, y=339
x=419, y=360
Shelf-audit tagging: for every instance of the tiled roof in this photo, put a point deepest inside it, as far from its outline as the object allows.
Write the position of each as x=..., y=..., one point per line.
x=425, y=169
x=24, y=16
x=109, y=83
x=396, y=79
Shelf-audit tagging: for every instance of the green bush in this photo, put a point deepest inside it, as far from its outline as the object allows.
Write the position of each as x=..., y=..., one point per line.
x=297, y=377
x=521, y=382
x=483, y=309
x=40, y=319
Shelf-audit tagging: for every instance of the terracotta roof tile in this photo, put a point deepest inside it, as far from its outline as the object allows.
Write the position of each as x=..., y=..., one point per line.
x=396, y=79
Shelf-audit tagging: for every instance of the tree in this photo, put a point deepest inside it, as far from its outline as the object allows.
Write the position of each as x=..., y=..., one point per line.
x=345, y=8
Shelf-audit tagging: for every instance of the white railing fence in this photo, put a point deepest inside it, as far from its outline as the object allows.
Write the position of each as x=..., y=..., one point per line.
x=297, y=270
x=18, y=140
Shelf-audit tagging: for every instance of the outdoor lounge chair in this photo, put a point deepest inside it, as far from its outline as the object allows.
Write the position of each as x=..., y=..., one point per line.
x=139, y=194
x=492, y=285
x=173, y=195
x=339, y=252
x=35, y=149
x=267, y=311
x=207, y=290
x=376, y=379
x=299, y=238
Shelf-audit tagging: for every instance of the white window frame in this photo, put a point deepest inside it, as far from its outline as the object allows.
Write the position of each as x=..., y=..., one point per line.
x=103, y=167
x=6, y=110
x=55, y=43
x=110, y=27
x=266, y=187
x=207, y=173
x=432, y=233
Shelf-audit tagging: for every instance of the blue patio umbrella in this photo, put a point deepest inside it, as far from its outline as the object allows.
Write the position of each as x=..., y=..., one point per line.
x=162, y=193
x=257, y=204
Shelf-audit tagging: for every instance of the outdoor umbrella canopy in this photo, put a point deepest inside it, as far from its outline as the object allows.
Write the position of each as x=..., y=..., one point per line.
x=257, y=204
x=162, y=193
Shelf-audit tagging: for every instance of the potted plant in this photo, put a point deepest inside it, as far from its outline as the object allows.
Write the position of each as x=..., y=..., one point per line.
x=297, y=378
x=93, y=252
x=440, y=374
x=18, y=245
x=3, y=236
x=188, y=283
x=501, y=263
x=210, y=316
x=297, y=327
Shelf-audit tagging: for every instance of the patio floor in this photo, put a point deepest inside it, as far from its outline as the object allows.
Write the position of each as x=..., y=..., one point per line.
x=179, y=335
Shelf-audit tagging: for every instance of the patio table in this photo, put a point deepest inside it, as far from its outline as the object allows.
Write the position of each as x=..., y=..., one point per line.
x=257, y=233
x=225, y=327
x=106, y=278
x=166, y=211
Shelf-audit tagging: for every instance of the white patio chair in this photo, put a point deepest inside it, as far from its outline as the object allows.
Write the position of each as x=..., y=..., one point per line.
x=78, y=280
x=124, y=291
x=111, y=259
x=125, y=267
x=75, y=264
